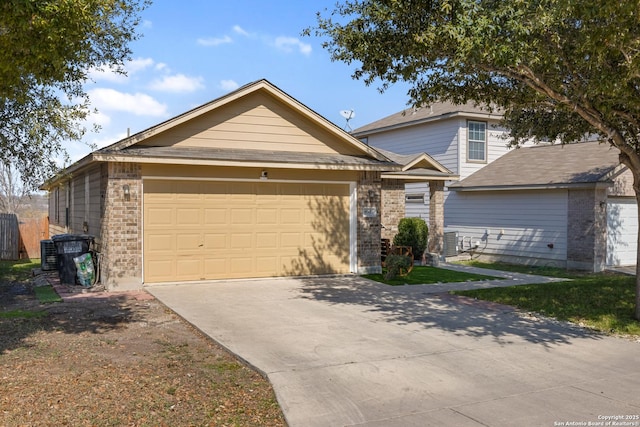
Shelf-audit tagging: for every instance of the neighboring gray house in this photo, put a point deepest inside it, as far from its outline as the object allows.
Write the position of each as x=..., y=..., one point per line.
x=570, y=206
x=563, y=205
x=462, y=138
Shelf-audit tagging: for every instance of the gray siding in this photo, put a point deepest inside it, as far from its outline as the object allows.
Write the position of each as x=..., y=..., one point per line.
x=520, y=225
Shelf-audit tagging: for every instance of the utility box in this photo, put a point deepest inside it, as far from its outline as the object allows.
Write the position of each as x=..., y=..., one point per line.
x=69, y=246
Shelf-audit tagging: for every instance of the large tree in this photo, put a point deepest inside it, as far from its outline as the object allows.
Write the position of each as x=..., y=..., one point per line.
x=559, y=69
x=47, y=49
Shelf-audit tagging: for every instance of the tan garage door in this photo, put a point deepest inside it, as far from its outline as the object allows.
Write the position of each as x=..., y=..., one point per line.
x=202, y=230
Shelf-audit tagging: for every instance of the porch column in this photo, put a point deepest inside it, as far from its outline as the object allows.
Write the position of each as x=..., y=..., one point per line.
x=436, y=217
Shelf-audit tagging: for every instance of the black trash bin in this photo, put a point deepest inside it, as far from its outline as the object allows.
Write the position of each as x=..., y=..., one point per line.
x=69, y=246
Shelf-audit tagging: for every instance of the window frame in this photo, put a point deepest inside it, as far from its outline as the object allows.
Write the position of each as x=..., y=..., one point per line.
x=469, y=141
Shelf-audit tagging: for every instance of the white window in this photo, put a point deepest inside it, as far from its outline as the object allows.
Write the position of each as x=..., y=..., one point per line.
x=476, y=141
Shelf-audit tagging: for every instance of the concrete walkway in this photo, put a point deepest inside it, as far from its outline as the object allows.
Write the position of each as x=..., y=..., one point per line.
x=345, y=351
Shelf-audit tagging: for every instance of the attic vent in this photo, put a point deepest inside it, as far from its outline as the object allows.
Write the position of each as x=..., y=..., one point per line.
x=414, y=198
x=450, y=243
x=48, y=257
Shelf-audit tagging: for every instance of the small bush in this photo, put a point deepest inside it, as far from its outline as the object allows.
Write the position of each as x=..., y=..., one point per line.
x=396, y=265
x=412, y=232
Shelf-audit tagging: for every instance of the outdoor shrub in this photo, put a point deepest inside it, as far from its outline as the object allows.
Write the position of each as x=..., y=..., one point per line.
x=396, y=264
x=412, y=232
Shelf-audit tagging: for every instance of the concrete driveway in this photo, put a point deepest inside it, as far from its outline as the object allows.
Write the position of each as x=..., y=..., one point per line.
x=346, y=351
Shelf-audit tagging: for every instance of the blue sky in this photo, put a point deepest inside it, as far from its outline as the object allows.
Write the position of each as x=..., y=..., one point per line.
x=195, y=51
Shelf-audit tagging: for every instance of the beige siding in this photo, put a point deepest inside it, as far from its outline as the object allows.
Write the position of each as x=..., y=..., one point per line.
x=258, y=122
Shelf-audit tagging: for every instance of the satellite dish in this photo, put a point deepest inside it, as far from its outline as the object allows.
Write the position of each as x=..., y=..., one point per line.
x=348, y=115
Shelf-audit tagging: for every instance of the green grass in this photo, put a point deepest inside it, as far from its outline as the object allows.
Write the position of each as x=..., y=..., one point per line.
x=17, y=271
x=46, y=294
x=601, y=301
x=421, y=275
x=21, y=314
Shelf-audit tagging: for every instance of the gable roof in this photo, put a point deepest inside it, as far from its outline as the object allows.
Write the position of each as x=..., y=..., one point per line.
x=347, y=152
x=436, y=111
x=419, y=166
x=546, y=166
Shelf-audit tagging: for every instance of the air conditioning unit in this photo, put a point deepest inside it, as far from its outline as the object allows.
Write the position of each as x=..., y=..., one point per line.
x=450, y=243
x=48, y=255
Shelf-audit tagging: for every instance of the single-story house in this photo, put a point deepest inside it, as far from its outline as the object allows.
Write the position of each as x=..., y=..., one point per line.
x=568, y=205
x=252, y=184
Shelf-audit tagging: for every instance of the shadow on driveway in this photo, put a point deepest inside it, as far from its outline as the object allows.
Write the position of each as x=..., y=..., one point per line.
x=462, y=316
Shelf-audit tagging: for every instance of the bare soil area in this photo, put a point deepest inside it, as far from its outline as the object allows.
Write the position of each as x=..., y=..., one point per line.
x=119, y=359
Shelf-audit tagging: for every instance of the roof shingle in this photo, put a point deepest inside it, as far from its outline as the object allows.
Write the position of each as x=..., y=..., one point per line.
x=546, y=165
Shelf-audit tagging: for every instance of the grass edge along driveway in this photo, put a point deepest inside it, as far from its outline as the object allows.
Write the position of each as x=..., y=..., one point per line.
x=425, y=275
x=603, y=302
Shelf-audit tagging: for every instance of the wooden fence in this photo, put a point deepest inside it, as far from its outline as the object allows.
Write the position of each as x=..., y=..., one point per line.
x=9, y=237
x=21, y=239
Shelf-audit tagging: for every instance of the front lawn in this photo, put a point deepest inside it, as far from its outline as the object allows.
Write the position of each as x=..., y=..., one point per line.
x=601, y=301
x=422, y=275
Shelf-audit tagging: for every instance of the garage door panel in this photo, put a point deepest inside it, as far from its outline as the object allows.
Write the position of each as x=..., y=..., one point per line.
x=241, y=241
x=249, y=229
x=266, y=241
x=241, y=216
x=289, y=216
x=216, y=241
x=160, y=243
x=622, y=231
x=158, y=217
x=215, y=217
x=189, y=268
x=266, y=216
x=215, y=266
x=290, y=240
x=267, y=265
x=159, y=269
x=188, y=217
x=188, y=242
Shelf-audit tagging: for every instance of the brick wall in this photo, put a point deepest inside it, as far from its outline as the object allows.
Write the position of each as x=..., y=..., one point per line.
x=586, y=229
x=393, y=211
x=436, y=217
x=369, y=202
x=121, y=242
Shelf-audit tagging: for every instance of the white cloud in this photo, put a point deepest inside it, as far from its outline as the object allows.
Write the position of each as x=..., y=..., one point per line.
x=239, y=30
x=214, y=41
x=139, y=104
x=289, y=44
x=138, y=64
x=111, y=75
x=228, y=85
x=161, y=66
x=177, y=83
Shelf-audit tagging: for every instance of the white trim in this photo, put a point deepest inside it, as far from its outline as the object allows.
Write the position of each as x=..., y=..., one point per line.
x=142, y=228
x=353, y=228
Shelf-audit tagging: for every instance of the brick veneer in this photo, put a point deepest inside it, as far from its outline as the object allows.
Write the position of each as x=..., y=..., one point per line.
x=393, y=208
x=121, y=234
x=436, y=217
x=586, y=229
x=369, y=196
